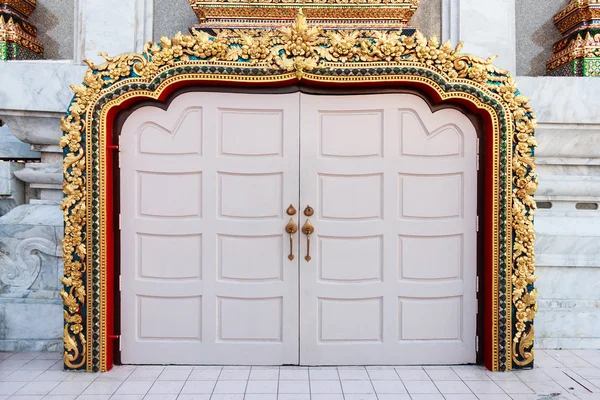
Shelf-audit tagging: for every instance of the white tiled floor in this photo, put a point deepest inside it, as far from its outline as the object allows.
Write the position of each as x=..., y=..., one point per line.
x=559, y=374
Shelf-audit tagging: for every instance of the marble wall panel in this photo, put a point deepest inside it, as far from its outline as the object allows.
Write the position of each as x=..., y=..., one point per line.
x=536, y=34
x=26, y=320
x=30, y=252
x=30, y=325
x=12, y=191
x=30, y=265
x=562, y=100
x=12, y=148
x=37, y=86
x=107, y=25
x=565, y=141
x=568, y=239
x=488, y=28
x=55, y=21
x=569, y=307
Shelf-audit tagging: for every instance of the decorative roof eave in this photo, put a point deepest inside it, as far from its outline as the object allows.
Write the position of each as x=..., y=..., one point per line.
x=576, y=52
x=11, y=32
x=24, y=7
x=577, y=12
x=332, y=13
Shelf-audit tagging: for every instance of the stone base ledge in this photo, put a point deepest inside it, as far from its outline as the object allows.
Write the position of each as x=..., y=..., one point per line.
x=568, y=343
x=50, y=345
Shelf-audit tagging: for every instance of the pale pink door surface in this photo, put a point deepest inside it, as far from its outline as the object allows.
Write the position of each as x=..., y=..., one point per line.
x=392, y=279
x=206, y=277
x=205, y=273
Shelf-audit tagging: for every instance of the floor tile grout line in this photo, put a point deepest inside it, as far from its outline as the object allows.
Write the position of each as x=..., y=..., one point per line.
x=184, y=382
x=247, y=381
x=278, y=380
x=216, y=383
x=309, y=385
x=371, y=382
x=337, y=370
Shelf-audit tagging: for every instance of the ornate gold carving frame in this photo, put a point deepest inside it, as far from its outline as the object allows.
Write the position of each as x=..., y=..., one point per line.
x=309, y=55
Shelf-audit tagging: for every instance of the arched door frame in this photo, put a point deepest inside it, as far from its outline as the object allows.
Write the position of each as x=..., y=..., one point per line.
x=465, y=81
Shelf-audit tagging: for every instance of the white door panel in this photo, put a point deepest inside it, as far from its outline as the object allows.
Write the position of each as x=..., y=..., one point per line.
x=205, y=271
x=393, y=268
x=204, y=189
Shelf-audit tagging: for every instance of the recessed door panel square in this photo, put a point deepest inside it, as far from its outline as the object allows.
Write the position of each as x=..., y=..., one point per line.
x=170, y=195
x=352, y=133
x=170, y=256
x=248, y=319
x=350, y=259
x=431, y=196
x=430, y=319
x=430, y=257
x=351, y=197
x=350, y=320
x=184, y=138
x=250, y=258
x=251, y=132
x=170, y=318
x=250, y=195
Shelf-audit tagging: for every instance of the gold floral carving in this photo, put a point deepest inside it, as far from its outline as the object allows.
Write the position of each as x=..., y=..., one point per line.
x=73, y=246
x=299, y=49
x=317, y=14
x=329, y=12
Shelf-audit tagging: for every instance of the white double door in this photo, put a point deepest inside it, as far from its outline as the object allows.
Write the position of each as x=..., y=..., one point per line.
x=206, y=276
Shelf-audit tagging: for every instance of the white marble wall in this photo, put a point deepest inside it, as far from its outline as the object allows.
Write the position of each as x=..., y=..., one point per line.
x=568, y=238
x=486, y=26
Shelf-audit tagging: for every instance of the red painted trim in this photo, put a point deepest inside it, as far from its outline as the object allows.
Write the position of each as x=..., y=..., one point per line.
x=486, y=286
x=110, y=254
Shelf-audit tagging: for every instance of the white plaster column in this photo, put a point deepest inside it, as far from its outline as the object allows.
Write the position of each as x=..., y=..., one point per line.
x=487, y=27
x=112, y=26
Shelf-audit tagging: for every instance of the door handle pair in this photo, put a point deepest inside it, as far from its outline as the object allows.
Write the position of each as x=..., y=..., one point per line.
x=308, y=229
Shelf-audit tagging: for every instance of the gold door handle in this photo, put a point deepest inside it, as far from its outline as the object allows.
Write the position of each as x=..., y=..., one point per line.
x=291, y=228
x=308, y=230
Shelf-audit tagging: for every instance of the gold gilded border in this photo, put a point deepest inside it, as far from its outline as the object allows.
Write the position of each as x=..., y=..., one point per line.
x=291, y=53
x=211, y=78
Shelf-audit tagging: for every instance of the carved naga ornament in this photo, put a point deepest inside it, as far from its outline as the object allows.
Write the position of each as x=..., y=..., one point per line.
x=289, y=52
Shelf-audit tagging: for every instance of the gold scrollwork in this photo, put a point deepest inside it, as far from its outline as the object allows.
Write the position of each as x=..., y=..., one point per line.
x=298, y=49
